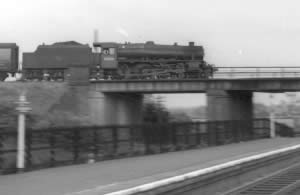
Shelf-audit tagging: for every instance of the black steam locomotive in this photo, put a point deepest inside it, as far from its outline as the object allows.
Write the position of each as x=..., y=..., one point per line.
x=118, y=61
x=151, y=61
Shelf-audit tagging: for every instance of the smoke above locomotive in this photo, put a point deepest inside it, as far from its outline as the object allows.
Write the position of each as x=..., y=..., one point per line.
x=118, y=61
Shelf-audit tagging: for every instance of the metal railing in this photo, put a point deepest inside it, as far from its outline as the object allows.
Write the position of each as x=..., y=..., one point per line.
x=257, y=72
x=61, y=146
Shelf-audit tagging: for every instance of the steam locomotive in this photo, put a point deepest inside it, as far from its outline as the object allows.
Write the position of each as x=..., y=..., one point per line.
x=117, y=61
x=151, y=61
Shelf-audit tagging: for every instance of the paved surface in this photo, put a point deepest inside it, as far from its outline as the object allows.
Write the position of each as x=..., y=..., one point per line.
x=108, y=176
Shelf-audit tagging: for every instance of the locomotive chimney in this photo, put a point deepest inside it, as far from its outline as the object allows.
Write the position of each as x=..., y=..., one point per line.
x=96, y=49
x=191, y=44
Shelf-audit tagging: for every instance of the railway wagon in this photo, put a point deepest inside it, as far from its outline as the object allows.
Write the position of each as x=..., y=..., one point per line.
x=9, y=59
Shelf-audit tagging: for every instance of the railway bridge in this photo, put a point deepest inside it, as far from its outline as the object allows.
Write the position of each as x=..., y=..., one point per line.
x=207, y=171
x=229, y=92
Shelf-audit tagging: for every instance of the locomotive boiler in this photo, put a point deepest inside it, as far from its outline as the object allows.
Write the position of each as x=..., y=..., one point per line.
x=151, y=61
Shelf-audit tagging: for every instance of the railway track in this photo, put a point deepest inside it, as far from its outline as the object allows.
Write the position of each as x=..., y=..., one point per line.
x=227, y=178
x=283, y=182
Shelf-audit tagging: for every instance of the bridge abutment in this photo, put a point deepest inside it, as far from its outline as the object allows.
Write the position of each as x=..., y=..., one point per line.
x=229, y=105
x=102, y=108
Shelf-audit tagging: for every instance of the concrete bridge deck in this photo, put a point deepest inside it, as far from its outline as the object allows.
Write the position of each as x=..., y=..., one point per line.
x=197, y=85
x=109, y=176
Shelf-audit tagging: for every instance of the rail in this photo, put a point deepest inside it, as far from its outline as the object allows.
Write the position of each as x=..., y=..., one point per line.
x=286, y=181
x=62, y=146
x=218, y=179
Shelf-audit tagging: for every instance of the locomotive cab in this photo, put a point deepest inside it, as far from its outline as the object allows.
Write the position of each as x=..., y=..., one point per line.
x=108, y=55
x=108, y=59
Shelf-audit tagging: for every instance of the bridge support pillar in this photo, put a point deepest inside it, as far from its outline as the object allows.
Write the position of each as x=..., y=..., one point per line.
x=229, y=105
x=101, y=108
x=115, y=109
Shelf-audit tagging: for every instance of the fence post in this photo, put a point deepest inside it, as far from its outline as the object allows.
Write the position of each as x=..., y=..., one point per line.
x=174, y=136
x=23, y=108
x=131, y=140
x=163, y=130
x=235, y=134
x=146, y=137
x=251, y=126
x=28, y=143
x=198, y=134
x=272, y=125
x=212, y=133
x=76, y=140
x=115, y=140
x=186, y=137
x=1, y=153
x=52, y=148
x=95, y=146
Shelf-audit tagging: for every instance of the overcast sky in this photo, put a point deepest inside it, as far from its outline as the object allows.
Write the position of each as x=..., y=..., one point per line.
x=233, y=32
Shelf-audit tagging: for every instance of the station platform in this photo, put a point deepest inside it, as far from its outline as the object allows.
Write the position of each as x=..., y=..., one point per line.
x=114, y=175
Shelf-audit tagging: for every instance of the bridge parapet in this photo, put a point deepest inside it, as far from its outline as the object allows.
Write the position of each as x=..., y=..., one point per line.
x=257, y=72
x=197, y=85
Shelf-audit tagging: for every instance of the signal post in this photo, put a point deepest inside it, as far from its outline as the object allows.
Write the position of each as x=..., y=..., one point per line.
x=23, y=108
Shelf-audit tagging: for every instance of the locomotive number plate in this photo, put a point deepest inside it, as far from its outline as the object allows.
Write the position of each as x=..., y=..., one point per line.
x=108, y=58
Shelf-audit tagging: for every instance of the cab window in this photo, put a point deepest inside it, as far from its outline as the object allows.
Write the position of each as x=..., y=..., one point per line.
x=112, y=51
x=109, y=51
x=106, y=51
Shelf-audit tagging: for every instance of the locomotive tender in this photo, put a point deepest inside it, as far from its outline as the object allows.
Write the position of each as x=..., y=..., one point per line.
x=52, y=61
x=118, y=61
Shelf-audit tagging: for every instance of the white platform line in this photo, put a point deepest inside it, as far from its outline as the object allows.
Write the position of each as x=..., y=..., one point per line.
x=91, y=189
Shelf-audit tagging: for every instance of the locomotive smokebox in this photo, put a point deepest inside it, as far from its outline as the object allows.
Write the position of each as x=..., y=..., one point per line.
x=192, y=44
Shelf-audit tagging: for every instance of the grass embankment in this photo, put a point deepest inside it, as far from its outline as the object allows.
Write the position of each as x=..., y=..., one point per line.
x=52, y=105
x=46, y=100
